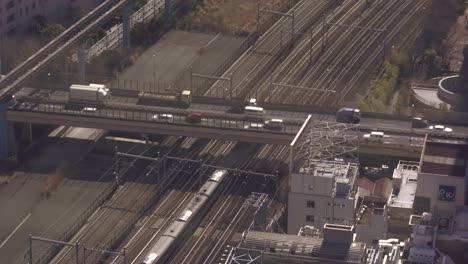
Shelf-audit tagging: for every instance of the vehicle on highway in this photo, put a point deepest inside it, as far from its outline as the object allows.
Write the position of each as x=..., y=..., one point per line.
x=188, y=220
x=374, y=136
x=274, y=124
x=92, y=93
x=254, y=126
x=254, y=113
x=440, y=128
x=253, y=102
x=194, y=118
x=348, y=115
x=173, y=98
x=89, y=109
x=163, y=117
x=418, y=122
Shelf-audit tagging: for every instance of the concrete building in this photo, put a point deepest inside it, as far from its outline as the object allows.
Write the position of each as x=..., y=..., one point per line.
x=325, y=193
x=371, y=222
x=443, y=177
x=401, y=202
x=336, y=246
x=16, y=15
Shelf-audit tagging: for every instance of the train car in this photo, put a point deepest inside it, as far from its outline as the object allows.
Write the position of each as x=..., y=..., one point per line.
x=188, y=220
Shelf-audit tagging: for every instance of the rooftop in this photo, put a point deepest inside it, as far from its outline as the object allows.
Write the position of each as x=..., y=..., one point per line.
x=405, y=180
x=340, y=170
x=284, y=246
x=343, y=174
x=444, y=157
x=371, y=205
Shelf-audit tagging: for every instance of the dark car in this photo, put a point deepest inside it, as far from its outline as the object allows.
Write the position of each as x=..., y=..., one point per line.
x=418, y=122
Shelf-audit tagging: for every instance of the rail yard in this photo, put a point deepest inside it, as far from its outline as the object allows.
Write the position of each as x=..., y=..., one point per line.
x=184, y=172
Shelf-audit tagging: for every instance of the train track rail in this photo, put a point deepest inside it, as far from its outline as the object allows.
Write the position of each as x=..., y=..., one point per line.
x=230, y=215
x=259, y=58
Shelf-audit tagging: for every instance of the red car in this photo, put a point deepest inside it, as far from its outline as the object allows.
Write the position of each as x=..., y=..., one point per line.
x=194, y=118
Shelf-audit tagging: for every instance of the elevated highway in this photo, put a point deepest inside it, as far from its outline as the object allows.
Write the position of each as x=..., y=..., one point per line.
x=123, y=114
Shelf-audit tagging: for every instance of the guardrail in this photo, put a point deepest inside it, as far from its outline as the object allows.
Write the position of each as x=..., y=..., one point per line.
x=148, y=117
x=415, y=132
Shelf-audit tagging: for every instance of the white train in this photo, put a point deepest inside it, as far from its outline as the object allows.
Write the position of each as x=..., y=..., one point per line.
x=188, y=219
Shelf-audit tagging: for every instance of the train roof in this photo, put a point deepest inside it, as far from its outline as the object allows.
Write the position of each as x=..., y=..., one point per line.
x=217, y=175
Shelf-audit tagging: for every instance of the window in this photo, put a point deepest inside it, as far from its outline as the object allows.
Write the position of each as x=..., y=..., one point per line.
x=10, y=5
x=10, y=18
x=310, y=218
x=311, y=204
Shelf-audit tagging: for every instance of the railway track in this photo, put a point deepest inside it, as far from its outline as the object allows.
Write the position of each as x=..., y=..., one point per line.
x=120, y=209
x=260, y=57
x=343, y=57
x=168, y=209
x=165, y=211
x=295, y=66
x=105, y=229
x=230, y=215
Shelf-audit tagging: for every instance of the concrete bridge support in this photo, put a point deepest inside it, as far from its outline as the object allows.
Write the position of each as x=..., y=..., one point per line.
x=7, y=135
x=3, y=133
x=126, y=28
x=167, y=9
x=82, y=62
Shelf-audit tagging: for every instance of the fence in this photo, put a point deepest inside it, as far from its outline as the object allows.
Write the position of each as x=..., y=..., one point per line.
x=218, y=121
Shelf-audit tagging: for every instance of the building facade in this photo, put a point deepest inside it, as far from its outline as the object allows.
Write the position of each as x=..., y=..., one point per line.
x=443, y=179
x=16, y=15
x=323, y=195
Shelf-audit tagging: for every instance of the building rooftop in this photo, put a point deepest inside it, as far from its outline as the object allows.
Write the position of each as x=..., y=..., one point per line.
x=444, y=157
x=289, y=247
x=405, y=180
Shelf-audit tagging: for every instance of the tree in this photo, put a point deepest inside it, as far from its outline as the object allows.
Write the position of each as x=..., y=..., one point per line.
x=38, y=23
x=51, y=31
x=72, y=14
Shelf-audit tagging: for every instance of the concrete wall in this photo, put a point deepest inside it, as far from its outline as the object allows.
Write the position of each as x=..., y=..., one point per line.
x=374, y=230
x=428, y=187
x=303, y=183
x=326, y=210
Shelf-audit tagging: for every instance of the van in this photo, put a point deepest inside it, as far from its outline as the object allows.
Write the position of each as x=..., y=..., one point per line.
x=418, y=122
x=164, y=117
x=254, y=126
x=89, y=109
x=274, y=124
x=375, y=136
x=194, y=118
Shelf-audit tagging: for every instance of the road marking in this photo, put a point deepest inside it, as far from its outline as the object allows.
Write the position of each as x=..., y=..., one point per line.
x=14, y=231
x=211, y=41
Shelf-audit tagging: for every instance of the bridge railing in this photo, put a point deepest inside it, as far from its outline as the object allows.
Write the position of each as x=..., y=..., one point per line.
x=228, y=123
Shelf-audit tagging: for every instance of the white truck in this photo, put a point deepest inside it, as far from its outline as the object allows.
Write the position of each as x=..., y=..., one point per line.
x=92, y=93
